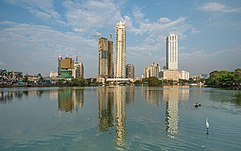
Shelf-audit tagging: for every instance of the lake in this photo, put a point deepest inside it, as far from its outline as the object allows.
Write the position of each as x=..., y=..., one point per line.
x=119, y=118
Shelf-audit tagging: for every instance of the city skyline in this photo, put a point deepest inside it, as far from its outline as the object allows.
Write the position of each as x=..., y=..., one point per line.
x=209, y=32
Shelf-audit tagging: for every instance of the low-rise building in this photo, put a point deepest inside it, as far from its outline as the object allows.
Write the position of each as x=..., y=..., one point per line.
x=170, y=75
x=152, y=71
x=184, y=75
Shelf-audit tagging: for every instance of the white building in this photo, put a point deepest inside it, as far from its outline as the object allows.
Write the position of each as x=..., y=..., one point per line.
x=152, y=71
x=53, y=74
x=184, y=75
x=172, y=52
x=120, y=53
x=78, y=71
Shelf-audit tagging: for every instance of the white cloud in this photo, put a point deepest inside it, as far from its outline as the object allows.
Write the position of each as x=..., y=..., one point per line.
x=218, y=7
x=91, y=15
x=43, y=9
x=156, y=32
x=199, y=62
x=164, y=20
x=34, y=48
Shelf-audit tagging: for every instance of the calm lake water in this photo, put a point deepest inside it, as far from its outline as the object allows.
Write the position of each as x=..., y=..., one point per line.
x=119, y=118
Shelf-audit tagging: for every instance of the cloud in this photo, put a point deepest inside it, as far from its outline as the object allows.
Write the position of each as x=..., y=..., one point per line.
x=218, y=7
x=34, y=48
x=155, y=33
x=199, y=62
x=90, y=15
x=43, y=9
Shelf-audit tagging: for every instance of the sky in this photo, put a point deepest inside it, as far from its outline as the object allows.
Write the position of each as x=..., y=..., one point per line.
x=33, y=33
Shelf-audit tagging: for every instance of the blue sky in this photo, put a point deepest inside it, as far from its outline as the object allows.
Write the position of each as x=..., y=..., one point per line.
x=34, y=32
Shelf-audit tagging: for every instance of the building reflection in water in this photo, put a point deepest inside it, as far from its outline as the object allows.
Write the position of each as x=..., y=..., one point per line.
x=68, y=99
x=130, y=95
x=171, y=95
x=152, y=95
x=8, y=96
x=105, y=114
x=120, y=109
x=112, y=108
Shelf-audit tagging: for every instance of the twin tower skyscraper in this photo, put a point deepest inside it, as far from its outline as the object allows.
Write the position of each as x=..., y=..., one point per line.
x=105, y=51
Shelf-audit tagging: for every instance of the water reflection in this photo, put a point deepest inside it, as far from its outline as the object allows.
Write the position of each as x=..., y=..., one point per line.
x=120, y=106
x=8, y=96
x=105, y=114
x=152, y=95
x=69, y=99
x=171, y=95
x=130, y=91
x=114, y=99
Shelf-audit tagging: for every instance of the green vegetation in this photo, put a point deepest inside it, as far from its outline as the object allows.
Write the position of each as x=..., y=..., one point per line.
x=224, y=79
x=153, y=81
x=77, y=82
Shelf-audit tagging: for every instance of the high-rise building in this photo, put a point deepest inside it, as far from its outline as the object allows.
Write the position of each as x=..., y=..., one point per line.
x=130, y=71
x=172, y=52
x=78, y=70
x=67, y=63
x=103, y=57
x=152, y=71
x=120, y=53
x=110, y=58
x=105, y=49
x=65, y=67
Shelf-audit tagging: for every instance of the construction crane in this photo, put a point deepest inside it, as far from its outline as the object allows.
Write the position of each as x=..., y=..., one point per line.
x=98, y=35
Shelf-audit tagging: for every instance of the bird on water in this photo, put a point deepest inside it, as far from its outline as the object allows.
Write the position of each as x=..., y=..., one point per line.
x=207, y=124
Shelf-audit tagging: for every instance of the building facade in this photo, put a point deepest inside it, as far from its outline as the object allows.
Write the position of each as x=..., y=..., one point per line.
x=110, y=59
x=69, y=69
x=170, y=75
x=78, y=70
x=120, y=53
x=172, y=52
x=152, y=71
x=130, y=71
x=105, y=49
x=103, y=57
x=184, y=75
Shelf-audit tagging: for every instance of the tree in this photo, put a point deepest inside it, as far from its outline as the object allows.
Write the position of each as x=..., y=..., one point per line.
x=224, y=79
x=25, y=79
x=153, y=81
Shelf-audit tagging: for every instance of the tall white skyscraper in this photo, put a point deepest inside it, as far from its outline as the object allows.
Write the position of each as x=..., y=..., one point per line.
x=172, y=52
x=120, y=53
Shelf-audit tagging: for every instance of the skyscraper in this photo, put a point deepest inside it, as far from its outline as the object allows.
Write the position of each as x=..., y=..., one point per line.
x=103, y=57
x=110, y=58
x=120, y=53
x=172, y=52
x=105, y=49
x=130, y=71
